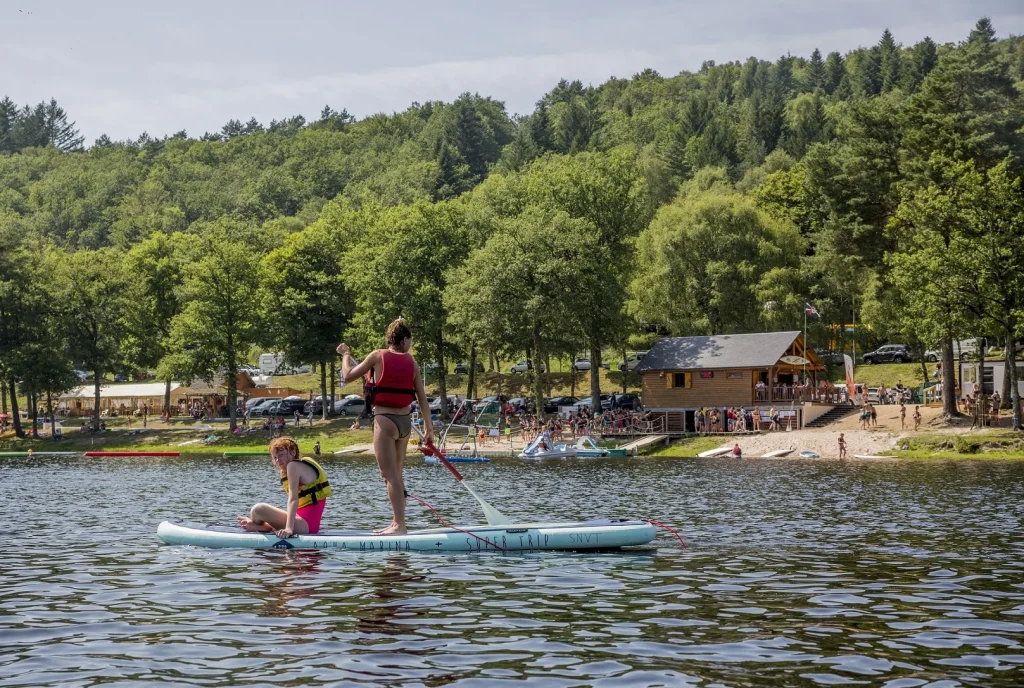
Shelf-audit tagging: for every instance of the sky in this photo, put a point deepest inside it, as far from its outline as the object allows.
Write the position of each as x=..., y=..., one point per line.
x=123, y=68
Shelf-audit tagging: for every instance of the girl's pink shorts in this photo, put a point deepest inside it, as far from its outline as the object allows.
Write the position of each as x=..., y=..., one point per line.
x=311, y=514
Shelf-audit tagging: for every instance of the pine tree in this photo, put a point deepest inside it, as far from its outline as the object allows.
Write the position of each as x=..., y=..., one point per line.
x=232, y=129
x=868, y=72
x=923, y=58
x=58, y=131
x=890, y=61
x=835, y=69
x=540, y=128
x=8, y=116
x=816, y=71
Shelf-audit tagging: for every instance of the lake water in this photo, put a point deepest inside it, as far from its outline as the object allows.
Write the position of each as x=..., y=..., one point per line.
x=895, y=574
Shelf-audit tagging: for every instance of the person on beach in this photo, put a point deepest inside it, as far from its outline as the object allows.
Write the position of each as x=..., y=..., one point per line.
x=307, y=487
x=737, y=453
x=917, y=418
x=903, y=415
x=874, y=415
x=393, y=382
x=842, y=446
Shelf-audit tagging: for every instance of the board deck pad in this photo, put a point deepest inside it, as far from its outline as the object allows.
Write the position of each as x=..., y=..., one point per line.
x=585, y=535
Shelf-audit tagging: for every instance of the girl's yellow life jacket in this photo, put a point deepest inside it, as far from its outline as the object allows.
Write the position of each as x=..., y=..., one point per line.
x=313, y=492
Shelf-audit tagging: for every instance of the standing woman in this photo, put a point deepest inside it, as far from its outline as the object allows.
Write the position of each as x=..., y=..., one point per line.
x=393, y=381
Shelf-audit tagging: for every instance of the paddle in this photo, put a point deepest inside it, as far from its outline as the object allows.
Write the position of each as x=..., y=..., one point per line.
x=493, y=516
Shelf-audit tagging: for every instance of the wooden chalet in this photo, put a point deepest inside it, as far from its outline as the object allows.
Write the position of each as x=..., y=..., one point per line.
x=683, y=374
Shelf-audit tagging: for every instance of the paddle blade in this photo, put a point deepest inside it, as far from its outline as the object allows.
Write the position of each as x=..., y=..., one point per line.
x=493, y=516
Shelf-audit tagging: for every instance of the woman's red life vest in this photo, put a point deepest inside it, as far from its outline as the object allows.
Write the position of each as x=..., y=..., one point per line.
x=394, y=386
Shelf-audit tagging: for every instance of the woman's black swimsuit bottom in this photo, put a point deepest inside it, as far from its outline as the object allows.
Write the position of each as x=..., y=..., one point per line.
x=402, y=421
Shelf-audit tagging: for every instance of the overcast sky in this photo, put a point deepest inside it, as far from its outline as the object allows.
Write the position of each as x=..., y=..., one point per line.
x=122, y=68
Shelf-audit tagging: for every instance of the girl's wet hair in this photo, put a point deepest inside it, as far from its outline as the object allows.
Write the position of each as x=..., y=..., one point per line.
x=397, y=332
x=286, y=443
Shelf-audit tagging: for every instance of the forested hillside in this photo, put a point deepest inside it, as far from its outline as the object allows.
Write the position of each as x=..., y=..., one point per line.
x=882, y=185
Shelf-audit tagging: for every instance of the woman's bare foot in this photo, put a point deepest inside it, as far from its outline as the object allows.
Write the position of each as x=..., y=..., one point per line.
x=380, y=531
x=393, y=529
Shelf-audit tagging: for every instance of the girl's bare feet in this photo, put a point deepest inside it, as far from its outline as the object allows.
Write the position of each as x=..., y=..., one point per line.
x=251, y=526
x=381, y=531
x=393, y=529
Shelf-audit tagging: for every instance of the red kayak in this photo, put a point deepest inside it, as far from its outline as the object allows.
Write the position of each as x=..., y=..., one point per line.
x=131, y=453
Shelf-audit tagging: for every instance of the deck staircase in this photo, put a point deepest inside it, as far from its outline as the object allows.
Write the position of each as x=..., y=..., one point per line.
x=832, y=415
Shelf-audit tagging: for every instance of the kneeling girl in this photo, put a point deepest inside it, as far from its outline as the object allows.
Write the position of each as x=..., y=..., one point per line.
x=307, y=487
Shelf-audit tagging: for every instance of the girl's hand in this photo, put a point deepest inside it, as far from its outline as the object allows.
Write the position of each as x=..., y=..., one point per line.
x=284, y=533
x=343, y=350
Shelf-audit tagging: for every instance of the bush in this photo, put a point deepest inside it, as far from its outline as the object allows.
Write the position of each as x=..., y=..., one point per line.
x=966, y=445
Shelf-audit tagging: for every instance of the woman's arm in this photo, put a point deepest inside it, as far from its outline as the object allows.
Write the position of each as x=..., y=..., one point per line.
x=421, y=398
x=350, y=372
x=294, y=471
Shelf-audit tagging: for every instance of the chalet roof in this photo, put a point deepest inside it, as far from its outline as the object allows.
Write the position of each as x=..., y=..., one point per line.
x=758, y=350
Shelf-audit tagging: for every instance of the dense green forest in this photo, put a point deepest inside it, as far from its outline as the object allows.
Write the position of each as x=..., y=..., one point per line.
x=883, y=185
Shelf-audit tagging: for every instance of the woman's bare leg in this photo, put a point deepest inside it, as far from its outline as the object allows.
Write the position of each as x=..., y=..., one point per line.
x=385, y=448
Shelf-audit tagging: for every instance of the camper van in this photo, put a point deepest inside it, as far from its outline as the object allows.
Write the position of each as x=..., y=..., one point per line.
x=273, y=363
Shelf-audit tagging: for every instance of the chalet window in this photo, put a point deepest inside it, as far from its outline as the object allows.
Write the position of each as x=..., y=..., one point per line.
x=735, y=374
x=680, y=380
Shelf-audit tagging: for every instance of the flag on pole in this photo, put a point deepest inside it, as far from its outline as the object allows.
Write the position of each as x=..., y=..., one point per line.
x=811, y=310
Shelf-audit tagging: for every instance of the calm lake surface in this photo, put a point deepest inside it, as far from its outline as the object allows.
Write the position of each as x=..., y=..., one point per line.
x=798, y=573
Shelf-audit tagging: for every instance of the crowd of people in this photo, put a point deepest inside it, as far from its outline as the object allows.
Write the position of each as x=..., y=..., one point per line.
x=719, y=420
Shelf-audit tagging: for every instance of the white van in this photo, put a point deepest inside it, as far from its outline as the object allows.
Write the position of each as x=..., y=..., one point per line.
x=273, y=363
x=632, y=360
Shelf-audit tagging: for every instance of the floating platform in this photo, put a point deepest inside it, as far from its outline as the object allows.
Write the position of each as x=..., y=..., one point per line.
x=457, y=459
x=99, y=454
x=586, y=535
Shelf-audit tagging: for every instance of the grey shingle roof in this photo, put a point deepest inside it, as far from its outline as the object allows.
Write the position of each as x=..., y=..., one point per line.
x=721, y=351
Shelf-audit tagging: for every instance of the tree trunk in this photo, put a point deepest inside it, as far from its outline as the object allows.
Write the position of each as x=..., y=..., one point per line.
x=624, y=373
x=471, y=383
x=1004, y=393
x=18, y=430
x=949, y=409
x=442, y=380
x=538, y=381
x=924, y=364
x=34, y=411
x=232, y=380
x=981, y=399
x=96, y=400
x=595, y=376
x=324, y=401
x=167, y=397
x=490, y=362
x=334, y=378
x=501, y=406
x=53, y=416
x=3, y=397
x=1011, y=373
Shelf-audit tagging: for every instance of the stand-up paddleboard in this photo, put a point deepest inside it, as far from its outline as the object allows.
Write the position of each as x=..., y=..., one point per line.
x=776, y=453
x=809, y=455
x=718, y=451
x=587, y=535
x=456, y=459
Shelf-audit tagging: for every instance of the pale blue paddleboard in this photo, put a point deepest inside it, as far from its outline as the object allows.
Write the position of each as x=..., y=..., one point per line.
x=586, y=535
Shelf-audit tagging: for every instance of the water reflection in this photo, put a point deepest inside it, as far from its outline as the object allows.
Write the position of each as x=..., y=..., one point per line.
x=383, y=602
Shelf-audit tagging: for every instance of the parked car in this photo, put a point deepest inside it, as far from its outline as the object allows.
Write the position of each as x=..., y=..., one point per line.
x=522, y=404
x=120, y=377
x=873, y=395
x=581, y=364
x=890, y=353
x=629, y=401
x=962, y=349
x=83, y=376
x=350, y=406
x=523, y=366
x=260, y=403
x=492, y=399
x=833, y=357
x=587, y=402
x=316, y=405
x=554, y=403
x=463, y=368
x=632, y=360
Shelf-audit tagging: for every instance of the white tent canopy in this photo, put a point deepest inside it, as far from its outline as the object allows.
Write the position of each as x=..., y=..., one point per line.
x=140, y=390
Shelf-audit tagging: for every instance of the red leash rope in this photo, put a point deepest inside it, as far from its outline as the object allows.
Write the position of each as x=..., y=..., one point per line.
x=448, y=525
x=670, y=529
